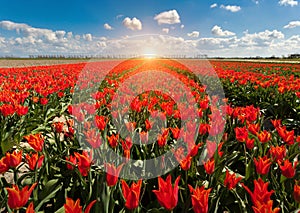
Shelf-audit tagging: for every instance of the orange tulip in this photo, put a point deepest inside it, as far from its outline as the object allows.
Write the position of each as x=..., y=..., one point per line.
x=36, y=141
x=199, y=198
x=231, y=180
x=18, y=198
x=74, y=207
x=34, y=161
x=262, y=165
x=14, y=159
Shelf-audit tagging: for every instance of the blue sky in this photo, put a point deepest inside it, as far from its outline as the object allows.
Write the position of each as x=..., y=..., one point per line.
x=216, y=28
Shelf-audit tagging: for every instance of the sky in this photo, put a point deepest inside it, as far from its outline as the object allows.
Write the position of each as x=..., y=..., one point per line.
x=223, y=28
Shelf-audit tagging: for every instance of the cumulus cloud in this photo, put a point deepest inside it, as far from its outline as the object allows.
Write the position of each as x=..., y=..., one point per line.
x=218, y=31
x=168, y=17
x=107, y=26
x=291, y=3
x=87, y=37
x=292, y=24
x=194, y=34
x=132, y=24
x=182, y=26
x=165, y=30
x=29, y=31
x=213, y=5
x=231, y=8
x=261, y=39
x=263, y=43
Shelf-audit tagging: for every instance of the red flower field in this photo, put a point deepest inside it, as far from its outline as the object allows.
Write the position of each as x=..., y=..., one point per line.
x=221, y=137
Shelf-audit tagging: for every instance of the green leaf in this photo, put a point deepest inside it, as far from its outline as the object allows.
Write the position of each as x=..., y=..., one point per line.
x=48, y=197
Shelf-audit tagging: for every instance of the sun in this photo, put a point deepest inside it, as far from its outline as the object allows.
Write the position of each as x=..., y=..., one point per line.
x=150, y=55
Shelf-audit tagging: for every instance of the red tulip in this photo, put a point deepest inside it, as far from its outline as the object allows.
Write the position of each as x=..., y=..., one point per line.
x=231, y=180
x=253, y=128
x=167, y=196
x=199, y=198
x=30, y=208
x=132, y=194
x=113, y=140
x=72, y=159
x=241, y=133
x=264, y=136
x=93, y=138
x=296, y=193
x=260, y=194
x=36, y=141
x=262, y=165
x=265, y=208
x=250, y=143
x=288, y=169
x=112, y=173
x=101, y=122
x=84, y=162
x=74, y=207
x=34, y=160
x=277, y=152
x=209, y=166
x=58, y=126
x=18, y=198
x=4, y=165
x=14, y=159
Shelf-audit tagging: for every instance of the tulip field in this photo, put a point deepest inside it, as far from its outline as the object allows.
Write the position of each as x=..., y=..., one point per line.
x=150, y=135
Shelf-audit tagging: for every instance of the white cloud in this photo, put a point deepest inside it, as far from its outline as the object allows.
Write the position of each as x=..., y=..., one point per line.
x=165, y=30
x=231, y=8
x=261, y=39
x=168, y=17
x=292, y=24
x=263, y=43
x=107, y=26
x=291, y=3
x=182, y=26
x=132, y=24
x=218, y=31
x=194, y=34
x=213, y=5
x=87, y=37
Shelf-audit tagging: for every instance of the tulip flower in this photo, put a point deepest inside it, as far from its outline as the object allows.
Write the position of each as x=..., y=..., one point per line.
x=209, y=166
x=30, y=208
x=264, y=136
x=260, y=194
x=277, y=152
x=167, y=195
x=262, y=165
x=18, y=198
x=231, y=180
x=36, y=141
x=112, y=173
x=84, y=162
x=74, y=207
x=241, y=133
x=132, y=194
x=113, y=140
x=14, y=159
x=4, y=165
x=288, y=169
x=199, y=198
x=101, y=122
x=34, y=160
x=296, y=193
x=266, y=208
x=72, y=159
